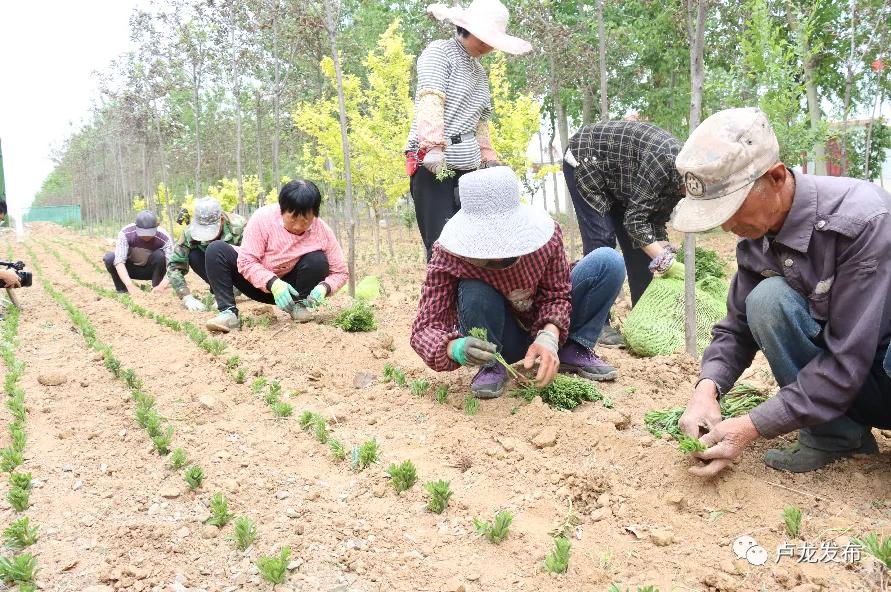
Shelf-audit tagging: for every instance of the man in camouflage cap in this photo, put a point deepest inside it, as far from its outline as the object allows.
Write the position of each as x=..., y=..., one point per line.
x=210, y=223
x=812, y=293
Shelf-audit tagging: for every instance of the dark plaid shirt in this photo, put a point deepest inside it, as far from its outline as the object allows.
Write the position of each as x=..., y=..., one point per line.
x=537, y=286
x=629, y=165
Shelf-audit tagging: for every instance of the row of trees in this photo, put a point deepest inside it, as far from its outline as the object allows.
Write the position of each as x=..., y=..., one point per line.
x=229, y=97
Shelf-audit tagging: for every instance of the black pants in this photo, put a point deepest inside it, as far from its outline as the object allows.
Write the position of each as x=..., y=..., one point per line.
x=198, y=263
x=221, y=260
x=435, y=202
x=154, y=269
x=602, y=231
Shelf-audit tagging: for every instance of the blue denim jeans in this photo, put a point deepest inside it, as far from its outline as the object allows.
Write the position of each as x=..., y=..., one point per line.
x=596, y=281
x=790, y=338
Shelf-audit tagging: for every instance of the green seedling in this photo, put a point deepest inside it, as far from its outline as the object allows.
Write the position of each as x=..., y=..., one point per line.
x=471, y=405
x=357, y=318
x=20, y=480
x=792, y=520
x=275, y=388
x=271, y=398
x=337, y=449
x=10, y=458
x=208, y=301
x=18, y=498
x=496, y=530
x=145, y=413
x=282, y=409
x=233, y=362
x=403, y=476
x=19, y=569
x=878, y=548
x=483, y=335
x=320, y=431
x=365, y=455
x=439, y=493
x=689, y=445
x=178, y=459
x=130, y=378
x=162, y=441
x=244, y=532
x=394, y=374
x=194, y=477
x=564, y=392
x=112, y=363
x=308, y=419
x=258, y=385
x=20, y=534
x=273, y=568
x=16, y=406
x=664, y=422
x=213, y=346
x=241, y=376
x=442, y=395
x=615, y=588
x=741, y=399
x=219, y=509
x=17, y=436
x=445, y=173
x=558, y=560
x=568, y=525
x=419, y=387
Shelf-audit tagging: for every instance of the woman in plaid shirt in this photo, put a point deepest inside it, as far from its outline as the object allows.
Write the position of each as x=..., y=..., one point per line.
x=500, y=265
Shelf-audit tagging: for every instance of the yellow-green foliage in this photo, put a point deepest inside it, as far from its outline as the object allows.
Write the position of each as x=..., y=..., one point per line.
x=379, y=113
x=515, y=118
x=226, y=192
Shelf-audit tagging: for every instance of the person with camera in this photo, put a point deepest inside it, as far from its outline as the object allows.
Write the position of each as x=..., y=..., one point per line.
x=210, y=223
x=141, y=253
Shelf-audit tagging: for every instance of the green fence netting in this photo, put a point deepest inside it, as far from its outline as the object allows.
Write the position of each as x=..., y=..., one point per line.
x=57, y=214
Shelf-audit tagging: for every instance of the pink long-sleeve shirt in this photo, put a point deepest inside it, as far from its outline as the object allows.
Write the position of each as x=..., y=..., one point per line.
x=268, y=250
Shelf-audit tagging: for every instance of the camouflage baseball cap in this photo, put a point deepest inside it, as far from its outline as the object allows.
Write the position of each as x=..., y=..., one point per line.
x=719, y=163
x=205, y=224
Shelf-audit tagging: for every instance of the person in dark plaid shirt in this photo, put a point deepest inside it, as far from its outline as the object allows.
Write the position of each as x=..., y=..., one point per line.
x=624, y=185
x=500, y=265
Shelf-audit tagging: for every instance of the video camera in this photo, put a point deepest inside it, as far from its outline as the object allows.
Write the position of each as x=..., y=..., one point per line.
x=26, y=277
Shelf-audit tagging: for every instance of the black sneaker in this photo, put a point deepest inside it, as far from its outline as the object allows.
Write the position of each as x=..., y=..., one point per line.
x=611, y=337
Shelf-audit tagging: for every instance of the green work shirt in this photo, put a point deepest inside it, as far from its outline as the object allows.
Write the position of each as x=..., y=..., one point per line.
x=178, y=265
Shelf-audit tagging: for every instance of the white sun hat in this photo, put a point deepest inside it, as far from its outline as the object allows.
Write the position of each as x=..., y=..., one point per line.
x=720, y=162
x=492, y=223
x=486, y=20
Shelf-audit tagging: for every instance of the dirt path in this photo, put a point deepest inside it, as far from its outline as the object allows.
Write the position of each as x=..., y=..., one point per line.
x=643, y=519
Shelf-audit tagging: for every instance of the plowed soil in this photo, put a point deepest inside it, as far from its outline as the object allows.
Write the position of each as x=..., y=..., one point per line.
x=114, y=516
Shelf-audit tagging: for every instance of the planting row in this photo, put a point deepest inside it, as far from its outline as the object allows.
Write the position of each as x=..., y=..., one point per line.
x=160, y=431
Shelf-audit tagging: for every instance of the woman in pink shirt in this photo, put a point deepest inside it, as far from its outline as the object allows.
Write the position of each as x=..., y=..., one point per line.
x=288, y=257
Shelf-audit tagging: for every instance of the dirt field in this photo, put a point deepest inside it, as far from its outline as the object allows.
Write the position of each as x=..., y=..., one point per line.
x=114, y=516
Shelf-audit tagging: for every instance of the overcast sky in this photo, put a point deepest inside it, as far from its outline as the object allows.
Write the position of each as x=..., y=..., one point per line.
x=48, y=52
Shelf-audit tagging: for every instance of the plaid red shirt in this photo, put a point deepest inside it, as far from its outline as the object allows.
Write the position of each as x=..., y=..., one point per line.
x=537, y=286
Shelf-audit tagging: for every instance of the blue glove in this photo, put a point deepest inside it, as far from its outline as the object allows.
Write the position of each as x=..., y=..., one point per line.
x=317, y=296
x=284, y=293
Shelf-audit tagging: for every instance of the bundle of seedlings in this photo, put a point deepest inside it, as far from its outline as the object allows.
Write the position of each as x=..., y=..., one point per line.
x=739, y=400
x=564, y=392
x=359, y=317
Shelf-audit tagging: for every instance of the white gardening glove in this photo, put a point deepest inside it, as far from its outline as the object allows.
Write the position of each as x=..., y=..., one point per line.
x=193, y=304
x=434, y=160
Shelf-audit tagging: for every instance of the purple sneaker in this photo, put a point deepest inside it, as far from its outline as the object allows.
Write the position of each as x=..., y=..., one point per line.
x=575, y=359
x=489, y=382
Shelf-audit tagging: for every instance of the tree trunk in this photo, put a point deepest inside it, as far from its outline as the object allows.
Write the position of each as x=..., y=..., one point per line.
x=344, y=140
x=388, y=221
x=544, y=185
x=196, y=95
x=259, y=156
x=601, y=38
x=876, y=107
x=587, y=106
x=696, y=28
x=563, y=129
x=276, y=101
x=849, y=83
x=810, y=86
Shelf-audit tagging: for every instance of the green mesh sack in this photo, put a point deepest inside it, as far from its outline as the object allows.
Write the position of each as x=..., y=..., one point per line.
x=655, y=326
